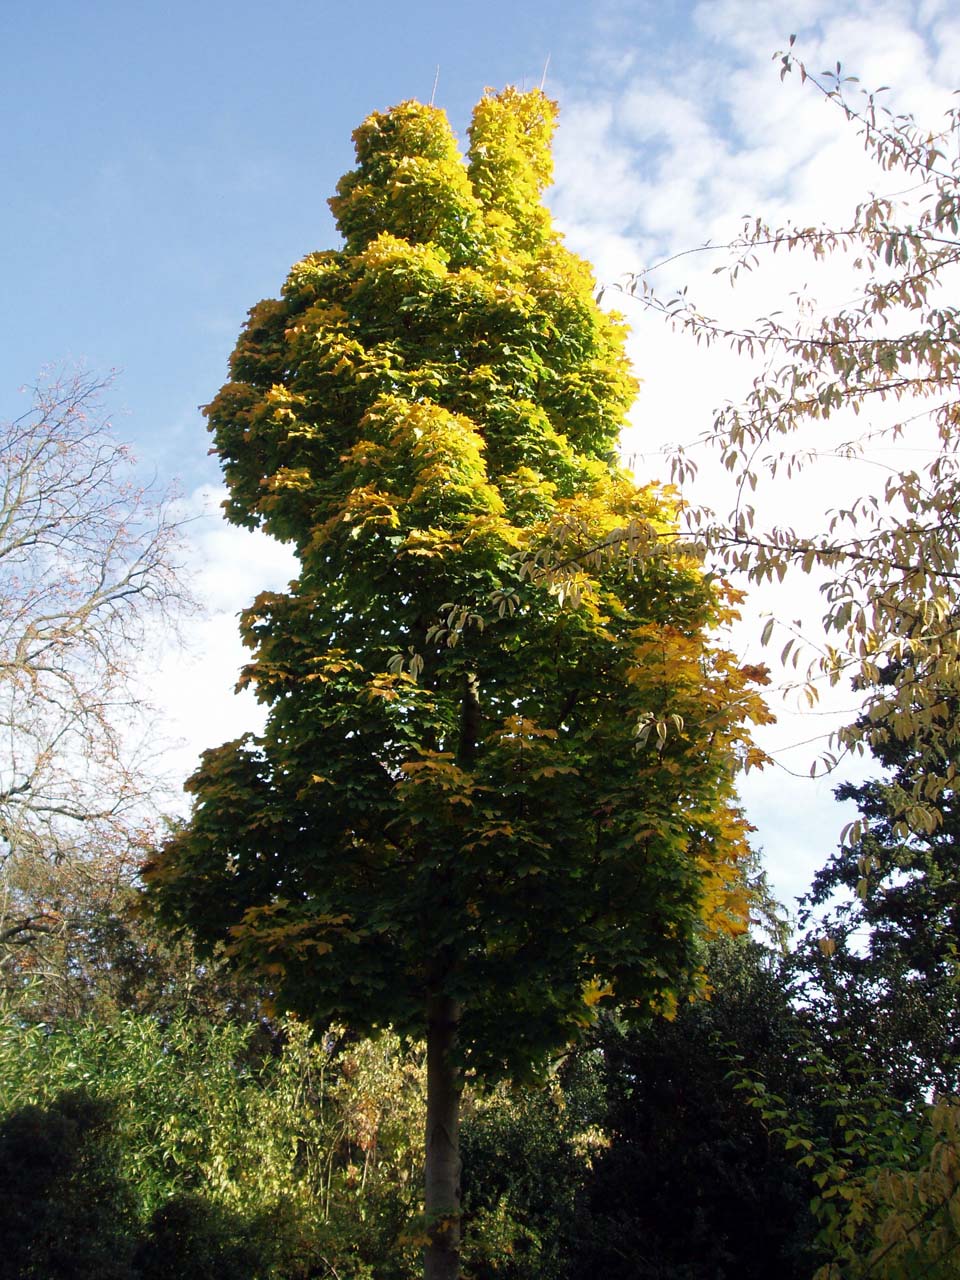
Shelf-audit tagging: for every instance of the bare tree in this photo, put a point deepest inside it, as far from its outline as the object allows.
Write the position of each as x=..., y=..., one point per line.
x=88, y=571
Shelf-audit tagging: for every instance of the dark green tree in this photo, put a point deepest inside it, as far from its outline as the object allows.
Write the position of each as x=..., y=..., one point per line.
x=65, y=1212
x=690, y=1185
x=487, y=796
x=879, y=966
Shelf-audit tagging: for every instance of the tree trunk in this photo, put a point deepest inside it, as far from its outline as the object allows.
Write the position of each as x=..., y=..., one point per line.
x=441, y=1259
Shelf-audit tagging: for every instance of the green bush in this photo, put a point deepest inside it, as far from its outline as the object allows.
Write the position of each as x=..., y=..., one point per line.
x=65, y=1212
x=190, y=1238
x=207, y=1149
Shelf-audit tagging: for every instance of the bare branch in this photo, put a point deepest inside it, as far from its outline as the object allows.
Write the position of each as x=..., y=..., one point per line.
x=88, y=571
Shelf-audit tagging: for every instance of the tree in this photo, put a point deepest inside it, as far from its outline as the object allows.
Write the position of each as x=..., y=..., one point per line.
x=483, y=802
x=885, y=1170
x=878, y=966
x=87, y=567
x=888, y=561
x=689, y=1186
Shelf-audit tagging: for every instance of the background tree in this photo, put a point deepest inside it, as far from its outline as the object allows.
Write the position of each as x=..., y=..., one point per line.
x=527, y=1154
x=688, y=1185
x=888, y=559
x=483, y=802
x=878, y=967
x=87, y=565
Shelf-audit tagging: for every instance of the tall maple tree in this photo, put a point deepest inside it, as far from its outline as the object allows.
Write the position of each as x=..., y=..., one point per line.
x=487, y=797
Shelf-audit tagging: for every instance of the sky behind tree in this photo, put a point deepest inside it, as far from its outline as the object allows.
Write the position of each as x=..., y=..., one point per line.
x=167, y=163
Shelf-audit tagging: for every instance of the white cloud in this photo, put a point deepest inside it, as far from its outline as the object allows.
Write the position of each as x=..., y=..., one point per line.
x=753, y=29
x=192, y=686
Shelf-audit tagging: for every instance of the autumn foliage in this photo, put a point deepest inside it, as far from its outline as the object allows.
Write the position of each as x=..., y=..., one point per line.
x=487, y=794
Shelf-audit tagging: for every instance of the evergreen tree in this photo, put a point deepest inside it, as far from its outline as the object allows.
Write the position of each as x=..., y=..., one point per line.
x=488, y=796
x=690, y=1185
x=880, y=964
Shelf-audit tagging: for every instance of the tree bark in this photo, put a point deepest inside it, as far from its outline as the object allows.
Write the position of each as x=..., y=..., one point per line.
x=469, y=722
x=441, y=1259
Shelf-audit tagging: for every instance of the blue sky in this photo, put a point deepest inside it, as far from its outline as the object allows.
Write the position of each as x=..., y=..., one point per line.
x=166, y=163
